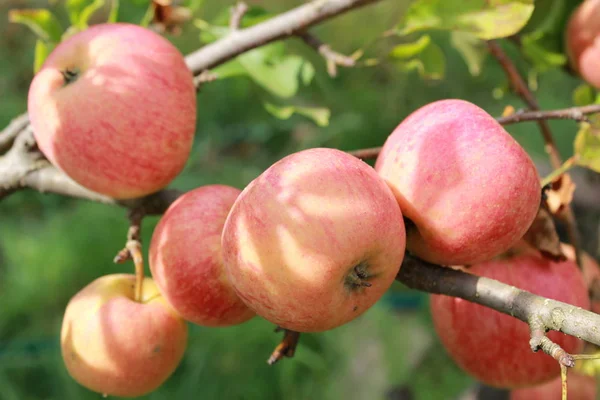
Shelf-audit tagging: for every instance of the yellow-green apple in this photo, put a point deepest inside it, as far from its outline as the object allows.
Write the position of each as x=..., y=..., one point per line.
x=114, y=107
x=494, y=347
x=579, y=387
x=314, y=241
x=582, y=41
x=185, y=258
x=470, y=190
x=114, y=345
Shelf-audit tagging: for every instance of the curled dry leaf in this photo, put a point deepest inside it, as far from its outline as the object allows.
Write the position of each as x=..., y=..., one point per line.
x=560, y=194
x=168, y=17
x=542, y=235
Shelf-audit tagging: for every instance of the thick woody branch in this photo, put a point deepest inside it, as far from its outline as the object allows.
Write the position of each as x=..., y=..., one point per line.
x=520, y=87
x=282, y=26
x=554, y=315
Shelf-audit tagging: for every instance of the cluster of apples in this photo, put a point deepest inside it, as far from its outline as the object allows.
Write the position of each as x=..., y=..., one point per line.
x=309, y=245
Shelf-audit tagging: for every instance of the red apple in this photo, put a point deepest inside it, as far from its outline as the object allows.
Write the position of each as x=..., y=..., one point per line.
x=314, y=241
x=579, y=387
x=494, y=347
x=114, y=345
x=114, y=107
x=469, y=188
x=185, y=258
x=582, y=41
x=591, y=273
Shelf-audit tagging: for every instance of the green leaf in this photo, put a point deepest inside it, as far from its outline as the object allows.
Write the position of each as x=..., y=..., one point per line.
x=41, y=21
x=430, y=63
x=540, y=56
x=278, y=74
x=320, y=115
x=409, y=50
x=42, y=50
x=487, y=19
x=471, y=48
x=587, y=146
x=80, y=11
x=583, y=95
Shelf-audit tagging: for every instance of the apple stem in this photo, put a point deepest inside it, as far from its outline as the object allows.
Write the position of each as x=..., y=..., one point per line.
x=287, y=347
x=135, y=250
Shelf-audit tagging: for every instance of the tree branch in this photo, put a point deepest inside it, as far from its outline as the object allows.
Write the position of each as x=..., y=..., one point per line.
x=12, y=130
x=282, y=26
x=520, y=87
x=574, y=113
x=555, y=315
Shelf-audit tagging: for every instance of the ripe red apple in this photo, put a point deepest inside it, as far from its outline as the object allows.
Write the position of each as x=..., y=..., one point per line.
x=114, y=345
x=469, y=188
x=185, y=258
x=579, y=387
x=494, y=347
x=114, y=107
x=591, y=273
x=582, y=41
x=314, y=241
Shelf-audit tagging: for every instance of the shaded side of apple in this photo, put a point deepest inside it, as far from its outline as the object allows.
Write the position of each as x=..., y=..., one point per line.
x=114, y=345
x=494, y=347
x=314, y=241
x=185, y=258
x=469, y=188
x=114, y=107
x=582, y=41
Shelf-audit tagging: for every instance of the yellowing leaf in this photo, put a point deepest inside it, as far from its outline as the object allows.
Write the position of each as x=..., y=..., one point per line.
x=41, y=21
x=320, y=115
x=587, y=146
x=487, y=19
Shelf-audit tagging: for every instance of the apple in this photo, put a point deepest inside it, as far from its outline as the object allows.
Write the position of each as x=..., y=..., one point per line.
x=591, y=273
x=494, y=347
x=579, y=387
x=185, y=258
x=114, y=345
x=114, y=107
x=314, y=241
x=582, y=41
x=470, y=190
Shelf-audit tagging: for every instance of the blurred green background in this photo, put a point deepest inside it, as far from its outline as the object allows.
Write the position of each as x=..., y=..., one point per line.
x=52, y=246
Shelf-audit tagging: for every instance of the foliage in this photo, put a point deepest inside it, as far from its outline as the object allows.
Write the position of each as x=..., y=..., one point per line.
x=271, y=101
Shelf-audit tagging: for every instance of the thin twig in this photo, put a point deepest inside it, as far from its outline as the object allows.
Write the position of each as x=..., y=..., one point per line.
x=12, y=130
x=520, y=87
x=237, y=13
x=204, y=77
x=332, y=58
x=370, y=153
x=574, y=113
x=287, y=347
x=539, y=341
